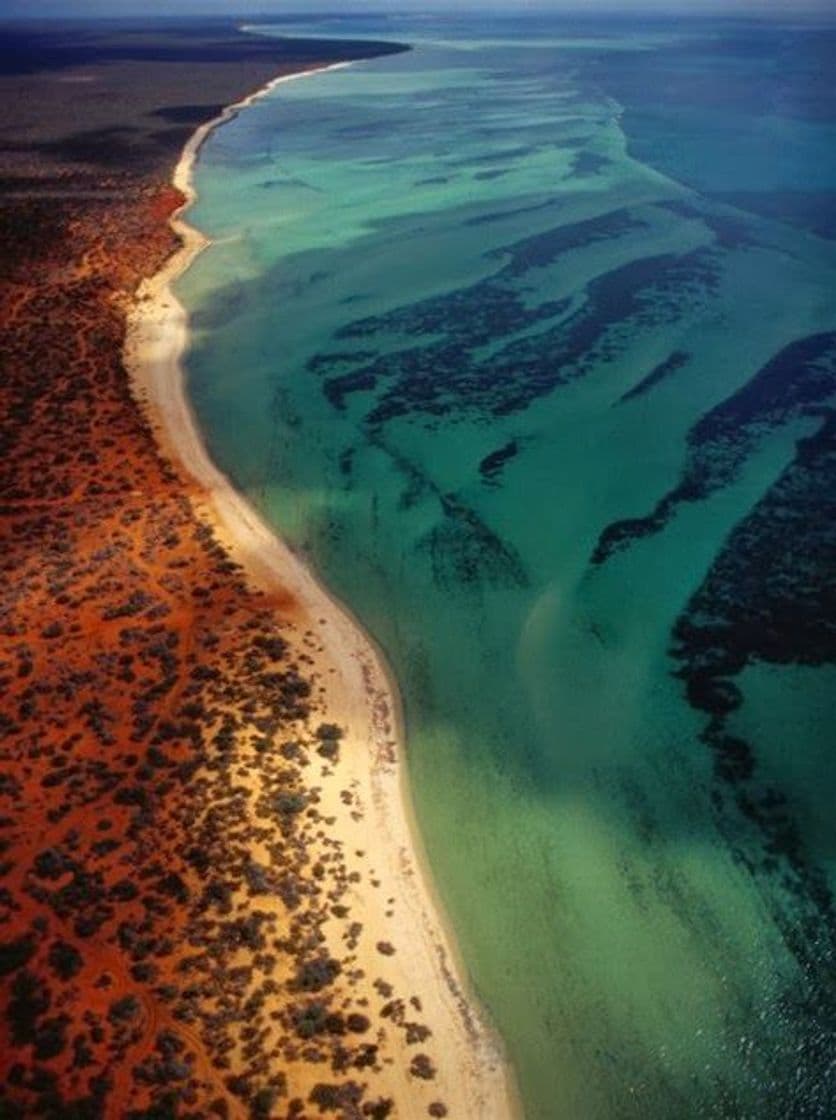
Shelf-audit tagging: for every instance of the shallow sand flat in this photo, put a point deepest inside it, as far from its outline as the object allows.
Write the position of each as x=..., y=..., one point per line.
x=365, y=795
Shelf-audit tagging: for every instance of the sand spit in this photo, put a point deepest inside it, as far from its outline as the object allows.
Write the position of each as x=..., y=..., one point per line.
x=402, y=955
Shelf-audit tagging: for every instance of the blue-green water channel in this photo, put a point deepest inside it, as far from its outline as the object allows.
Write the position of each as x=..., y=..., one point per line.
x=526, y=337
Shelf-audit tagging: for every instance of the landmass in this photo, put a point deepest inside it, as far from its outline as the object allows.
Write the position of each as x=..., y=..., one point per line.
x=210, y=898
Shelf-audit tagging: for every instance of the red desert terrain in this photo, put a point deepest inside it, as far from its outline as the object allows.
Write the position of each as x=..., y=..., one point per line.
x=164, y=868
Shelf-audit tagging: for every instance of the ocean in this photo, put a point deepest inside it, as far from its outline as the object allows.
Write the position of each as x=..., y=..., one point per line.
x=527, y=339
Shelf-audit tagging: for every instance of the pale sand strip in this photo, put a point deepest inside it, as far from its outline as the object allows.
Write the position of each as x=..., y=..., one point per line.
x=473, y=1076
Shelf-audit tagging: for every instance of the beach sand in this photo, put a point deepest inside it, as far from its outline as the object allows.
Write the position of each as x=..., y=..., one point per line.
x=403, y=956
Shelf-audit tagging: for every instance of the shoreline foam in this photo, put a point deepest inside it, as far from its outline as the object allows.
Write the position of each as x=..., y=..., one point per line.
x=474, y=1078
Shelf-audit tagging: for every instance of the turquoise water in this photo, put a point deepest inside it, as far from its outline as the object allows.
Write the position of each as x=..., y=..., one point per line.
x=526, y=337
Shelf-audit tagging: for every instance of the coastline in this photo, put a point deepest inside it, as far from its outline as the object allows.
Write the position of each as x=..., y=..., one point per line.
x=396, y=904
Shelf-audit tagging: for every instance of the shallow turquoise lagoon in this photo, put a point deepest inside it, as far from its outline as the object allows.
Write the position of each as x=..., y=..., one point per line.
x=528, y=339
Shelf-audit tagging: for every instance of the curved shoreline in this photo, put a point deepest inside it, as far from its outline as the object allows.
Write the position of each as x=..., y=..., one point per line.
x=358, y=692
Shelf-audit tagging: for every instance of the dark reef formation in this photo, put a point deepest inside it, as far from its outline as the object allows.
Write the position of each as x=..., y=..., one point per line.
x=534, y=348
x=798, y=381
x=770, y=597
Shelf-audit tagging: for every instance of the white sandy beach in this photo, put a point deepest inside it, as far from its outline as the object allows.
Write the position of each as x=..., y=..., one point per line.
x=473, y=1076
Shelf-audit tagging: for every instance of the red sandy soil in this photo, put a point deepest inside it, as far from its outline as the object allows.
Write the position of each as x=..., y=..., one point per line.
x=164, y=868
